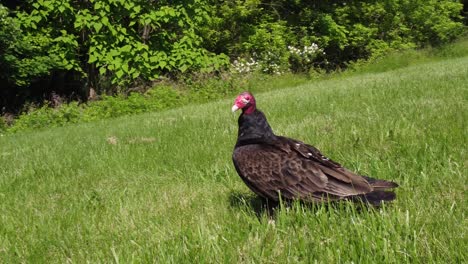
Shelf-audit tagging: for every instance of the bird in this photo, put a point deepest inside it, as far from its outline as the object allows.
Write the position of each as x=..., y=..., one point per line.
x=278, y=168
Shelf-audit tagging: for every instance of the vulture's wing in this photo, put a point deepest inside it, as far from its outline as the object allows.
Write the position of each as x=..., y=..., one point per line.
x=296, y=170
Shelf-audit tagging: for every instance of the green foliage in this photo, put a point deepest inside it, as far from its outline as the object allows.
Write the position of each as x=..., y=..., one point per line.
x=304, y=59
x=115, y=45
x=3, y=125
x=202, y=88
x=346, y=31
x=372, y=28
x=199, y=89
x=27, y=55
x=268, y=45
x=156, y=99
x=130, y=40
x=46, y=116
x=122, y=41
x=159, y=98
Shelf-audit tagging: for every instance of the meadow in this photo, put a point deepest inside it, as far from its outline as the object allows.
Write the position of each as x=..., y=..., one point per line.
x=161, y=187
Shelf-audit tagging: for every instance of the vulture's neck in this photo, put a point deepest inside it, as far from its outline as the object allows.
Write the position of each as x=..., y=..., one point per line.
x=253, y=129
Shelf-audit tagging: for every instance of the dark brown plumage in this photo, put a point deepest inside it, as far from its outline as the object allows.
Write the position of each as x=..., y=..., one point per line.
x=273, y=165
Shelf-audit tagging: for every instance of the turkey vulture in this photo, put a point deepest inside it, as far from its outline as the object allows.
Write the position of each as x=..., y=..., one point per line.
x=274, y=166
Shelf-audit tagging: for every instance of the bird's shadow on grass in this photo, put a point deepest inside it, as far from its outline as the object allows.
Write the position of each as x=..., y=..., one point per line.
x=261, y=206
x=257, y=204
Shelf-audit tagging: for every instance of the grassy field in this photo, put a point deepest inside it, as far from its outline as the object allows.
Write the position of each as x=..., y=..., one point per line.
x=161, y=187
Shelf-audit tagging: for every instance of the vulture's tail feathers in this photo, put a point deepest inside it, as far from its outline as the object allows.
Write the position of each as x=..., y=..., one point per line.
x=375, y=198
x=380, y=184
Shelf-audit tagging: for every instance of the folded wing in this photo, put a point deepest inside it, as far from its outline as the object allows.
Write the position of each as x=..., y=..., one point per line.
x=298, y=171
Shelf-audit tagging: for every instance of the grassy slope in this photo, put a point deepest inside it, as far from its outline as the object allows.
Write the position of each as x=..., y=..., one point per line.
x=167, y=191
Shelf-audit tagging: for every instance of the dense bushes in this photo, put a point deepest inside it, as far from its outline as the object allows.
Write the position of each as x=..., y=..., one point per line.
x=128, y=41
x=200, y=89
x=346, y=30
x=119, y=40
x=26, y=55
x=108, y=107
x=112, y=46
x=160, y=97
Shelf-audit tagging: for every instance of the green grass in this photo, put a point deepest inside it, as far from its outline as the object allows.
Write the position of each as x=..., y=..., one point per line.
x=160, y=187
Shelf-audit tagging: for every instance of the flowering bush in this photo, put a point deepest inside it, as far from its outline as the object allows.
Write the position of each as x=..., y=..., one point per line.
x=266, y=64
x=242, y=65
x=301, y=60
x=271, y=63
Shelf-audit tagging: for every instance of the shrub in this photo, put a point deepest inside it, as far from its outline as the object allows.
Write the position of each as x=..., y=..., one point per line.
x=28, y=55
x=162, y=97
x=46, y=116
x=3, y=125
x=155, y=99
x=201, y=88
x=116, y=45
x=346, y=30
x=303, y=59
x=243, y=66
